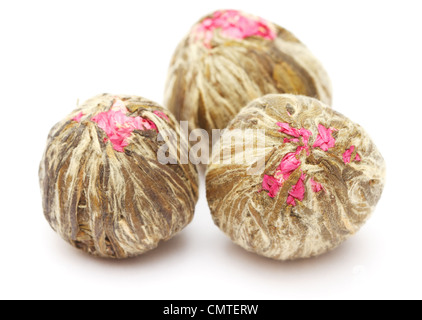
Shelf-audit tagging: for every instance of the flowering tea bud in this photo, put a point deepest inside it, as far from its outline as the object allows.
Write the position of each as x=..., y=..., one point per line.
x=104, y=190
x=230, y=58
x=322, y=178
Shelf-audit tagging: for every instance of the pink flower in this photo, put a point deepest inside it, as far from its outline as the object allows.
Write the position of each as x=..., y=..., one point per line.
x=142, y=124
x=297, y=192
x=78, y=117
x=300, y=149
x=316, y=186
x=289, y=164
x=325, y=140
x=235, y=25
x=287, y=129
x=347, y=156
x=149, y=125
x=305, y=134
x=271, y=184
x=285, y=140
x=119, y=127
x=162, y=115
x=357, y=158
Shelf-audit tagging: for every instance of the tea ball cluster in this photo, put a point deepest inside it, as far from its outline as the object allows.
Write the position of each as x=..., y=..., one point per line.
x=308, y=177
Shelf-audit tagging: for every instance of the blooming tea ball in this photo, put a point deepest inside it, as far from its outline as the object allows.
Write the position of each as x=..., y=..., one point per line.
x=302, y=184
x=104, y=189
x=230, y=58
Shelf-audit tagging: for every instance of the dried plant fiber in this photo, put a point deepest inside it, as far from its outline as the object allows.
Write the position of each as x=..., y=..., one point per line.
x=322, y=179
x=103, y=189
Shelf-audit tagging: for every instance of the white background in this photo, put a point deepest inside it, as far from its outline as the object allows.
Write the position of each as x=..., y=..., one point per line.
x=53, y=53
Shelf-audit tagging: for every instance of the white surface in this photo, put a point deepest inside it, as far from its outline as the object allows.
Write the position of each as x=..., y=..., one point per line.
x=54, y=52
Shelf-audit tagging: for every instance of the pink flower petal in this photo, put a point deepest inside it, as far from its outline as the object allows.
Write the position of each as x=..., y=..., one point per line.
x=271, y=184
x=287, y=129
x=347, y=156
x=300, y=149
x=233, y=24
x=305, y=134
x=316, y=186
x=207, y=23
x=162, y=115
x=149, y=125
x=297, y=192
x=324, y=140
x=291, y=201
x=78, y=117
x=357, y=158
x=294, y=140
x=232, y=32
x=324, y=132
x=119, y=127
x=289, y=164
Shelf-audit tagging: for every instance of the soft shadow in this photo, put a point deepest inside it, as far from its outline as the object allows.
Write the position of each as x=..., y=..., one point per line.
x=165, y=251
x=335, y=256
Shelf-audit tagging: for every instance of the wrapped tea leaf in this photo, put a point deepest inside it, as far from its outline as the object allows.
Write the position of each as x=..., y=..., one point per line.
x=321, y=178
x=230, y=58
x=104, y=190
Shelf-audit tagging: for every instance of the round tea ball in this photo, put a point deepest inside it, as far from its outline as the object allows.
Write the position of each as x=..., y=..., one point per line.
x=230, y=58
x=104, y=189
x=304, y=179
